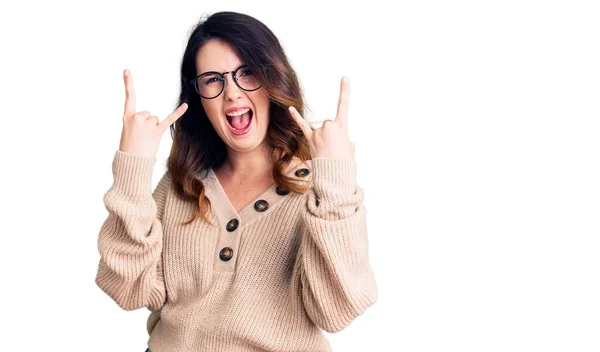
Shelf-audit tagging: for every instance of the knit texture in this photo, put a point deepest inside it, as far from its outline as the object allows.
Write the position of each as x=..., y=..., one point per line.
x=299, y=262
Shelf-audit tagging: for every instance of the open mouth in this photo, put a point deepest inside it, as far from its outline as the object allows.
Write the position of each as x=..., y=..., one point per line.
x=240, y=121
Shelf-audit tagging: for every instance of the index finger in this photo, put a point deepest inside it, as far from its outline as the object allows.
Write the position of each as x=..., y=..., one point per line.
x=129, y=94
x=343, y=102
x=304, y=126
x=174, y=116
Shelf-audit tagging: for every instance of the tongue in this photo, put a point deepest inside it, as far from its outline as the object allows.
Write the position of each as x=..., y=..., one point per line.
x=240, y=122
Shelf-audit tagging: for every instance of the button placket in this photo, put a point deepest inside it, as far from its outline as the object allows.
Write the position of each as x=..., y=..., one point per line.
x=227, y=253
x=228, y=242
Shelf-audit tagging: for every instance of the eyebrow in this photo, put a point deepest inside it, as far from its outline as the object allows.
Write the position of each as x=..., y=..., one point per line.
x=222, y=72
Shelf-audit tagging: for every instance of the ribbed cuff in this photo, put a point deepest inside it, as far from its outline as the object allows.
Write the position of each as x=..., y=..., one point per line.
x=334, y=176
x=133, y=173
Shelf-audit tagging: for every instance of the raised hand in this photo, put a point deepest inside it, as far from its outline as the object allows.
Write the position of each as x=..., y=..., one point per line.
x=141, y=131
x=331, y=140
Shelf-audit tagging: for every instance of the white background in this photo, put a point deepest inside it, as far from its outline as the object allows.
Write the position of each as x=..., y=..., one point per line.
x=476, y=125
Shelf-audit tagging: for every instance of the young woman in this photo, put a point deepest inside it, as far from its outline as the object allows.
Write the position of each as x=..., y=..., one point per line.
x=255, y=237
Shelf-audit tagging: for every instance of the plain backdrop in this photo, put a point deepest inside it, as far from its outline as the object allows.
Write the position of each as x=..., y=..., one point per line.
x=476, y=125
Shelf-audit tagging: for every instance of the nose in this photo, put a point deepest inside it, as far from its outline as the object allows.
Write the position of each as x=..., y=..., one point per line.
x=232, y=91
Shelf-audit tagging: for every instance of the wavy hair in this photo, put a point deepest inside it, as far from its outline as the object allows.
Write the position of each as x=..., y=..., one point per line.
x=196, y=145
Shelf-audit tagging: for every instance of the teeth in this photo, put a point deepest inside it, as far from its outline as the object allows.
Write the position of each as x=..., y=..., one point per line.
x=239, y=112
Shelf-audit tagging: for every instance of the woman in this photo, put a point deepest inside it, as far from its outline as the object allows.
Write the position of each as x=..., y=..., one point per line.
x=255, y=238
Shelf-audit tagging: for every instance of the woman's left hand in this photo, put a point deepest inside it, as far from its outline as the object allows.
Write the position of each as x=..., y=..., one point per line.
x=331, y=140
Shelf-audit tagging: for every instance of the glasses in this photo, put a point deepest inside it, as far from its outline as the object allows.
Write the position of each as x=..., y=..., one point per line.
x=210, y=85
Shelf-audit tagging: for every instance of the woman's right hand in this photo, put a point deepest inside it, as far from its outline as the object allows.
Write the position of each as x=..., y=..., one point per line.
x=141, y=131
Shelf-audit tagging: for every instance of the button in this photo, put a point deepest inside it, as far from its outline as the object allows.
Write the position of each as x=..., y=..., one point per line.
x=226, y=254
x=281, y=191
x=261, y=205
x=232, y=225
x=302, y=172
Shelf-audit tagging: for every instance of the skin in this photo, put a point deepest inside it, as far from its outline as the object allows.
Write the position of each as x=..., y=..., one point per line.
x=248, y=156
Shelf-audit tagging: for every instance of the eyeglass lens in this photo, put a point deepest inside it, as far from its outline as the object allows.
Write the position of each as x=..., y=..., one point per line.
x=211, y=85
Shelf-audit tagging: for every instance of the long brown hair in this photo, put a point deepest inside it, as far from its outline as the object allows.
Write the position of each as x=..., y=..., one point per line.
x=196, y=145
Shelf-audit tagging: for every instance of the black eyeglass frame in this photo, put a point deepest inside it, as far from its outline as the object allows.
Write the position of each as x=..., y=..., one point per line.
x=222, y=74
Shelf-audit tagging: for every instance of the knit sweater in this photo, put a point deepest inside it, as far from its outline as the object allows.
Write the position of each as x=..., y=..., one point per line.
x=269, y=278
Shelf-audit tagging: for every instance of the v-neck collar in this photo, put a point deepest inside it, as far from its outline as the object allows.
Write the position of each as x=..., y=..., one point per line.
x=221, y=190
x=225, y=211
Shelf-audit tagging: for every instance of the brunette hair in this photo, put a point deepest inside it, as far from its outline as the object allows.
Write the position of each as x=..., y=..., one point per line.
x=196, y=145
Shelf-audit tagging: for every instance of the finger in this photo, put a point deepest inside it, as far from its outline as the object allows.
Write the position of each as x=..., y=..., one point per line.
x=129, y=94
x=304, y=126
x=174, y=116
x=344, y=101
x=142, y=115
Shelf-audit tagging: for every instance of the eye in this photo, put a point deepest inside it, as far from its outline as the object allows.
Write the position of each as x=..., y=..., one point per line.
x=247, y=72
x=210, y=80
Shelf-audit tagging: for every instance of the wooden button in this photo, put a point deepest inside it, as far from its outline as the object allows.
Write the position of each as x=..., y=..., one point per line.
x=302, y=172
x=226, y=254
x=281, y=191
x=261, y=205
x=232, y=225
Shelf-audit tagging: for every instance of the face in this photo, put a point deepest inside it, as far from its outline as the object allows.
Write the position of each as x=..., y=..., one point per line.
x=218, y=56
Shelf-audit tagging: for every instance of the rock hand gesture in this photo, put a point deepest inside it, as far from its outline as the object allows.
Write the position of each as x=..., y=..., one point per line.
x=141, y=131
x=331, y=140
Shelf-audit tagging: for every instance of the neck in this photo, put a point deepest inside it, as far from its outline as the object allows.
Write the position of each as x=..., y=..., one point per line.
x=250, y=164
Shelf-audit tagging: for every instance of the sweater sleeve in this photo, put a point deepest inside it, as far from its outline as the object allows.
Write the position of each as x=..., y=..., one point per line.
x=130, y=239
x=336, y=279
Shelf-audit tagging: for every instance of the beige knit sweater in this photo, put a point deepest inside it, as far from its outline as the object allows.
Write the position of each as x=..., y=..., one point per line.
x=268, y=278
